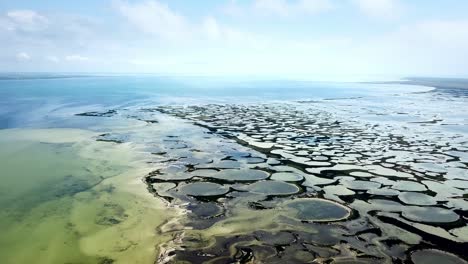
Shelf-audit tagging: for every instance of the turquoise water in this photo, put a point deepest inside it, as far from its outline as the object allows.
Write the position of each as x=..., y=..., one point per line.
x=32, y=100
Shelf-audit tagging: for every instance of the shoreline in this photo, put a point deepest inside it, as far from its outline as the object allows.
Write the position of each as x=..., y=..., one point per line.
x=436, y=83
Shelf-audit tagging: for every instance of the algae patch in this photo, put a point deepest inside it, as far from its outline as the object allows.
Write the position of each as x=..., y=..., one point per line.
x=69, y=199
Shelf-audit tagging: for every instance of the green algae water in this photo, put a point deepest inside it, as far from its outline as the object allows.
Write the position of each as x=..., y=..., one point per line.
x=66, y=198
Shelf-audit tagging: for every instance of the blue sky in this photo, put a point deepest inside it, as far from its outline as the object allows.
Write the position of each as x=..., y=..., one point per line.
x=237, y=37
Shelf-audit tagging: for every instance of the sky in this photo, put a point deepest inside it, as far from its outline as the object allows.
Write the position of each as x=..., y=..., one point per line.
x=236, y=37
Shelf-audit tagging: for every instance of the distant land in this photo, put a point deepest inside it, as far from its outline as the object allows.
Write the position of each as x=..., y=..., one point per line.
x=439, y=83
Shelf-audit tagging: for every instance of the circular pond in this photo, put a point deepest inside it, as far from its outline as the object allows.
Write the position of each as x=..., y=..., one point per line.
x=241, y=175
x=434, y=256
x=203, y=189
x=286, y=176
x=361, y=185
x=273, y=188
x=318, y=210
x=415, y=198
x=429, y=214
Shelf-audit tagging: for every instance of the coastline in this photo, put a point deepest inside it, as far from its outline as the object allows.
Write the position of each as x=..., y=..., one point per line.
x=436, y=83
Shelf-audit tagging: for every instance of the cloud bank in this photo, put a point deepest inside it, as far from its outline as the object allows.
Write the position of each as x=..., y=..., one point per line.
x=271, y=37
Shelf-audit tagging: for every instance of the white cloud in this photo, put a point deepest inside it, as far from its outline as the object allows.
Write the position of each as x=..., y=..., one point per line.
x=277, y=7
x=26, y=20
x=76, y=58
x=23, y=56
x=6, y=24
x=315, y=6
x=383, y=9
x=156, y=18
x=233, y=9
x=213, y=31
x=54, y=59
x=451, y=33
x=153, y=17
x=283, y=8
x=422, y=48
x=143, y=39
x=211, y=27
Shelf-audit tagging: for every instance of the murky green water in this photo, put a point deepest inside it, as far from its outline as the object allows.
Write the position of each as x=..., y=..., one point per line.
x=66, y=198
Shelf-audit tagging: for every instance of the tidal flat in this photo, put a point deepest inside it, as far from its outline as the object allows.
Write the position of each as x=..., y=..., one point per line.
x=296, y=183
x=363, y=176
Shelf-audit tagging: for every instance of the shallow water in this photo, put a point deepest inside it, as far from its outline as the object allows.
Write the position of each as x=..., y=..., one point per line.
x=47, y=100
x=143, y=168
x=66, y=198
